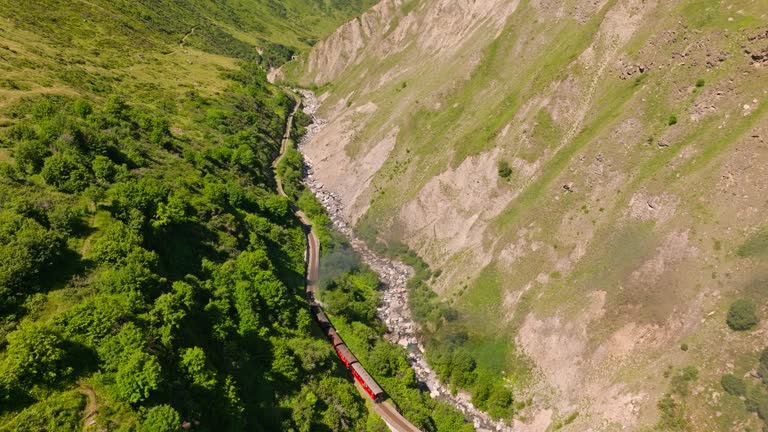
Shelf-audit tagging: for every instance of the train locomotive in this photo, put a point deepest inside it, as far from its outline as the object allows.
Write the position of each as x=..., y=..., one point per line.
x=374, y=391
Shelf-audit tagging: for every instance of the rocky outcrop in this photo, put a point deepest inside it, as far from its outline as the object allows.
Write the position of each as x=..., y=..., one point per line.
x=389, y=27
x=331, y=56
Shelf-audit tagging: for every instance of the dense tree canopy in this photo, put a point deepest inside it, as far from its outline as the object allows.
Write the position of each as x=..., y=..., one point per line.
x=148, y=275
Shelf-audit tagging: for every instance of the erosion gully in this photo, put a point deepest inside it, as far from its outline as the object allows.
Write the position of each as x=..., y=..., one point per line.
x=393, y=274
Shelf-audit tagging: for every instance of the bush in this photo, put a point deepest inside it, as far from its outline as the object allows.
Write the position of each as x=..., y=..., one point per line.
x=672, y=415
x=161, y=418
x=93, y=319
x=114, y=246
x=35, y=353
x=30, y=156
x=672, y=120
x=757, y=402
x=65, y=173
x=505, y=171
x=26, y=248
x=733, y=385
x=680, y=382
x=138, y=376
x=60, y=413
x=82, y=108
x=104, y=168
x=742, y=315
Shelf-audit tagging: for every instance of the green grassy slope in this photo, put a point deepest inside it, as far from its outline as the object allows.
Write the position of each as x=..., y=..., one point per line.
x=150, y=277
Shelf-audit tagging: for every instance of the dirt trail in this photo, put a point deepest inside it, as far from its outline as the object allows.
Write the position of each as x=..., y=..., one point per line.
x=189, y=33
x=91, y=407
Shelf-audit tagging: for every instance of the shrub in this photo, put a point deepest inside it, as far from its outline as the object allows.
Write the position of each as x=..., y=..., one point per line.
x=505, y=171
x=82, y=108
x=137, y=377
x=30, y=156
x=114, y=246
x=26, y=248
x=733, y=385
x=60, y=413
x=93, y=319
x=672, y=415
x=680, y=382
x=690, y=373
x=742, y=315
x=672, y=120
x=684, y=347
x=65, y=173
x=35, y=353
x=161, y=418
x=103, y=168
x=700, y=83
x=757, y=401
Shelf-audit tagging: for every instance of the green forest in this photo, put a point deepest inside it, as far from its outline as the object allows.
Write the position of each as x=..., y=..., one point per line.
x=150, y=277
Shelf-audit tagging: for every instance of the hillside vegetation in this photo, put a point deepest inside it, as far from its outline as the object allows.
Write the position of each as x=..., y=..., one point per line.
x=584, y=181
x=150, y=277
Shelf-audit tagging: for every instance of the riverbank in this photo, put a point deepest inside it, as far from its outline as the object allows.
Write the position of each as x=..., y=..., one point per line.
x=393, y=274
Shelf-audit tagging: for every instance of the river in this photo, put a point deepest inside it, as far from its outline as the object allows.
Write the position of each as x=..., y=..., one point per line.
x=393, y=274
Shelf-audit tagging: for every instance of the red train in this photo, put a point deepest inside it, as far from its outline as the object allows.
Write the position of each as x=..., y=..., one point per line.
x=350, y=361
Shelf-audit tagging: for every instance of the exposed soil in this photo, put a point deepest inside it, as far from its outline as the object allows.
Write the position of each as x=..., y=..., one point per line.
x=91, y=407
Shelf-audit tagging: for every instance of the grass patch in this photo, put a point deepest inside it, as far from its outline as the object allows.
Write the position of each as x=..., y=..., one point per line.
x=755, y=247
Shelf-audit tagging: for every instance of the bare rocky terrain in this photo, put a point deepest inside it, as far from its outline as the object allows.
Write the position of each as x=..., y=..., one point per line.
x=632, y=213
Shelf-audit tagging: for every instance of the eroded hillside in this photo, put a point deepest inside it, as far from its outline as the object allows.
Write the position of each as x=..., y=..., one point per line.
x=588, y=179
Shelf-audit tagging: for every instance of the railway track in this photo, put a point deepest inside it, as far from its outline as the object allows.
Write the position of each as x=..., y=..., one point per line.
x=388, y=413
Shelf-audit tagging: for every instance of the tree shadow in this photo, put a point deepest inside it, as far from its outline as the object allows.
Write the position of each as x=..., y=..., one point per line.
x=182, y=248
x=84, y=359
x=285, y=266
x=81, y=228
x=68, y=265
x=15, y=401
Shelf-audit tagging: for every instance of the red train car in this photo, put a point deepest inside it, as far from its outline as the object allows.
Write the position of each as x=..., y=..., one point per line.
x=350, y=361
x=369, y=384
x=345, y=355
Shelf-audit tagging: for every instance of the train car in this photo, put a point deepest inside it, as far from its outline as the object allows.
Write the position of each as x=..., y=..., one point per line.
x=345, y=355
x=334, y=337
x=366, y=380
x=322, y=319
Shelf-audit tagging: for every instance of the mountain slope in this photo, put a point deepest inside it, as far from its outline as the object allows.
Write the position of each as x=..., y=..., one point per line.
x=585, y=177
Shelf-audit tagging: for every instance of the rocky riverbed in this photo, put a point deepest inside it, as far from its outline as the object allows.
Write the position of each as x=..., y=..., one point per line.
x=393, y=274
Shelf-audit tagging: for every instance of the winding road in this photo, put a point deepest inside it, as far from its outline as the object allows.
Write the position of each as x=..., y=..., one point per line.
x=388, y=413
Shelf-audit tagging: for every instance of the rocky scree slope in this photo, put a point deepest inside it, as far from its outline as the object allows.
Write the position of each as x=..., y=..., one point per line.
x=632, y=210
